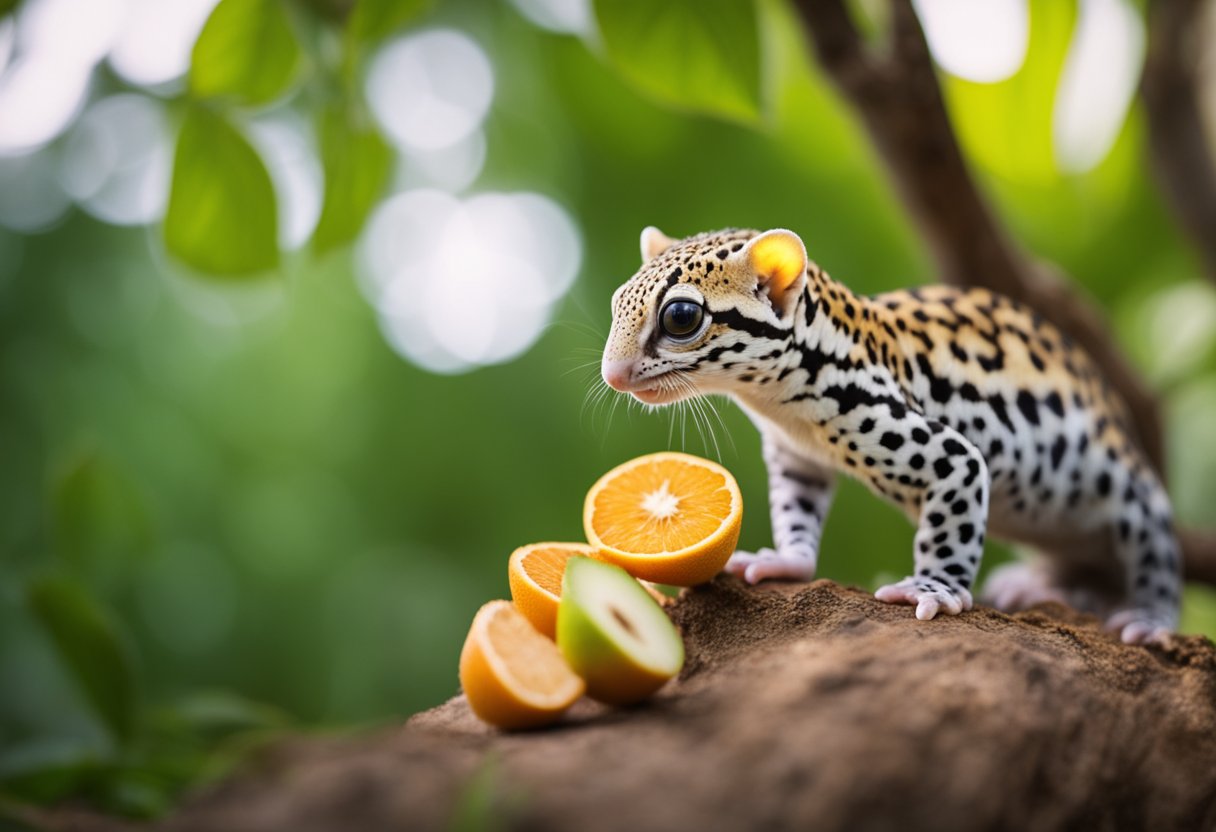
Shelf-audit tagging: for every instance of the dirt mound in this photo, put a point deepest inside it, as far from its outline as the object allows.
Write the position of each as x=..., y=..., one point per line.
x=801, y=707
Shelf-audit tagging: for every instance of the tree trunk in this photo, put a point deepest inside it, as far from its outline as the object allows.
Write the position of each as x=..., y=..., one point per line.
x=801, y=707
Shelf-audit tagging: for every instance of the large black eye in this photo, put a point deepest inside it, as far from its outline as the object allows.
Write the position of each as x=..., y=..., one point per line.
x=681, y=318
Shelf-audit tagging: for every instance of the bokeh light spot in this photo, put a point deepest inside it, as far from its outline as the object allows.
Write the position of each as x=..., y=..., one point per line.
x=461, y=284
x=73, y=32
x=155, y=44
x=118, y=159
x=1180, y=323
x=8, y=34
x=286, y=145
x=568, y=17
x=30, y=197
x=452, y=168
x=1097, y=84
x=38, y=102
x=979, y=40
x=1193, y=447
x=56, y=45
x=430, y=90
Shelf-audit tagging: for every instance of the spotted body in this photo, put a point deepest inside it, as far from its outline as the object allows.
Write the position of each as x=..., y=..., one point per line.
x=965, y=409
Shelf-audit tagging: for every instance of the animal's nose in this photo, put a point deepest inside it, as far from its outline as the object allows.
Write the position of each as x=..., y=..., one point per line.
x=617, y=373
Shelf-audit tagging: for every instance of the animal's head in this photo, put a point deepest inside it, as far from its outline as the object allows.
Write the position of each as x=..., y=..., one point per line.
x=703, y=312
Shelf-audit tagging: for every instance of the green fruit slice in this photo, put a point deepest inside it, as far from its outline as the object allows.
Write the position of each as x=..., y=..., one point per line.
x=614, y=634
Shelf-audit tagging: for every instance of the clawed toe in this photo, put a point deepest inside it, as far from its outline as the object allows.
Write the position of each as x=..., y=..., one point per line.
x=930, y=596
x=1137, y=626
x=768, y=564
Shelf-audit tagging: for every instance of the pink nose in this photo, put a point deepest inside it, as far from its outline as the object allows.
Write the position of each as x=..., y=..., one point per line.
x=617, y=374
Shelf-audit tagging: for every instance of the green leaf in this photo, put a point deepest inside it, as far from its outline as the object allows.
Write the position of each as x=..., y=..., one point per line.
x=211, y=715
x=375, y=19
x=221, y=217
x=701, y=55
x=246, y=50
x=45, y=769
x=356, y=161
x=99, y=517
x=7, y=6
x=90, y=645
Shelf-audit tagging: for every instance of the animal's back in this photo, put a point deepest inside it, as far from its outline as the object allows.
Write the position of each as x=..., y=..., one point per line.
x=1053, y=434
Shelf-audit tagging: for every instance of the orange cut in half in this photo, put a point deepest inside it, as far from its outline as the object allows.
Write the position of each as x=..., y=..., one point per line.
x=535, y=573
x=670, y=518
x=513, y=676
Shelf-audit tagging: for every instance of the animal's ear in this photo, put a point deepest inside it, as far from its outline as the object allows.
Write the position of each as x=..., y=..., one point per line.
x=778, y=259
x=654, y=243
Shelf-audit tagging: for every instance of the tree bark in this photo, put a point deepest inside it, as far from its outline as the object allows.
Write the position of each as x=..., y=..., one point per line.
x=1184, y=166
x=1181, y=155
x=800, y=707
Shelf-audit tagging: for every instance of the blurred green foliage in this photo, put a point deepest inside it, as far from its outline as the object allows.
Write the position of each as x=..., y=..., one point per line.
x=372, y=20
x=222, y=216
x=693, y=55
x=357, y=162
x=91, y=648
x=230, y=508
x=247, y=50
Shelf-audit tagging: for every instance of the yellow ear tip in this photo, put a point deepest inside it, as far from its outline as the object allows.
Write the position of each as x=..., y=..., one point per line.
x=778, y=256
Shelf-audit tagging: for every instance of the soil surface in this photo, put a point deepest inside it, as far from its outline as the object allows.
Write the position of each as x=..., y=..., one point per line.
x=802, y=706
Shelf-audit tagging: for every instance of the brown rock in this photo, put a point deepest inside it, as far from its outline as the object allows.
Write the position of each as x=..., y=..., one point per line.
x=801, y=707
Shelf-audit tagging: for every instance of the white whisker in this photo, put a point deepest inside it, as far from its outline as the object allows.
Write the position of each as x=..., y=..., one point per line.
x=582, y=366
x=695, y=406
x=684, y=411
x=712, y=406
x=582, y=327
x=616, y=400
x=707, y=428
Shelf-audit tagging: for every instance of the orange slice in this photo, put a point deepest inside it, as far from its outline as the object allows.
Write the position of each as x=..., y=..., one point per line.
x=668, y=517
x=535, y=573
x=513, y=676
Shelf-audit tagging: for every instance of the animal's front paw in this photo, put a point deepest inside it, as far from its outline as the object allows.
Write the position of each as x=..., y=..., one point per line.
x=1141, y=626
x=928, y=594
x=769, y=563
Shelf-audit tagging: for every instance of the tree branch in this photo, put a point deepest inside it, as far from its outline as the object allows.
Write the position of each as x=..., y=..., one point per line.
x=1199, y=555
x=1169, y=88
x=1184, y=167
x=898, y=98
x=793, y=712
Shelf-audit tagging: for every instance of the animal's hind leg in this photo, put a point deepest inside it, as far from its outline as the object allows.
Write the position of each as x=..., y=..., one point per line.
x=1149, y=553
x=1038, y=577
x=1021, y=584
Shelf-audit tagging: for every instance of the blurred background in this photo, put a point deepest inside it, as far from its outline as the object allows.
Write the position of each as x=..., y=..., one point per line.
x=301, y=303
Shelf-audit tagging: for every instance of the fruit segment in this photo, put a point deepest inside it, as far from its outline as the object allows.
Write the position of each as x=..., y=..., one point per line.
x=512, y=675
x=535, y=574
x=670, y=518
x=614, y=634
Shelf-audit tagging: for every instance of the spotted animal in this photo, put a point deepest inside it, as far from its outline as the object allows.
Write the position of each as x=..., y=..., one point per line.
x=965, y=409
